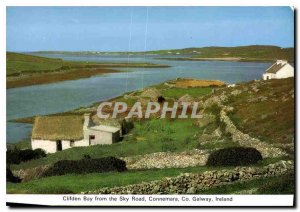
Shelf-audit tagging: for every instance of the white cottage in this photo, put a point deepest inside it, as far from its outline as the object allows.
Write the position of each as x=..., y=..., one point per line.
x=280, y=69
x=57, y=133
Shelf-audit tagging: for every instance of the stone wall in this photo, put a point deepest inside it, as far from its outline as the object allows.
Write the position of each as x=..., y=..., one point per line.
x=189, y=183
x=162, y=160
x=267, y=150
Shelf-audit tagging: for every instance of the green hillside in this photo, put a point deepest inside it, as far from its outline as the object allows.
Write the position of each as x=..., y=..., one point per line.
x=20, y=63
x=253, y=52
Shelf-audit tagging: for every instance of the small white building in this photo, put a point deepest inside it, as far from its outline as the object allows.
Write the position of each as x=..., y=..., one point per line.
x=280, y=69
x=57, y=133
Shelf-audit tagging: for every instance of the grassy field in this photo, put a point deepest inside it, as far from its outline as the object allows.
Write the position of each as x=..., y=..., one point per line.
x=21, y=63
x=25, y=70
x=77, y=183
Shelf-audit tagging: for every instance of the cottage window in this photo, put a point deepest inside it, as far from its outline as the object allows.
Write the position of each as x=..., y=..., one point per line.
x=92, y=137
x=72, y=142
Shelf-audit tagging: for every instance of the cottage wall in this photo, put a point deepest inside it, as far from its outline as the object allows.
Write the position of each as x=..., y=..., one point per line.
x=50, y=146
x=47, y=145
x=286, y=72
x=82, y=143
x=267, y=76
x=65, y=144
x=101, y=137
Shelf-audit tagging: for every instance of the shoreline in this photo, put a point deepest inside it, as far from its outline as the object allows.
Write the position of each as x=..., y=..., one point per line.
x=226, y=59
x=48, y=78
x=60, y=76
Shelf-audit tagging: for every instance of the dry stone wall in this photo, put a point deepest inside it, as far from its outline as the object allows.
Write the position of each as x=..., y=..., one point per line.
x=189, y=183
x=162, y=160
x=267, y=150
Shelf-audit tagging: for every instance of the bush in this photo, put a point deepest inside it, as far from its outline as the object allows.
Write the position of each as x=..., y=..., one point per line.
x=234, y=156
x=10, y=177
x=86, y=165
x=16, y=156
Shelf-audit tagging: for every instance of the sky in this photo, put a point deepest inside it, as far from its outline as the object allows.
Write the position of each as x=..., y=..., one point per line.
x=145, y=28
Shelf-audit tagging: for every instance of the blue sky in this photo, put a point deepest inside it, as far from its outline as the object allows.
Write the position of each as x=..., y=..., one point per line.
x=110, y=28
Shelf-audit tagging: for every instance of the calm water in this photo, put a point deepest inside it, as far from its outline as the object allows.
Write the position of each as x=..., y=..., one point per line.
x=64, y=96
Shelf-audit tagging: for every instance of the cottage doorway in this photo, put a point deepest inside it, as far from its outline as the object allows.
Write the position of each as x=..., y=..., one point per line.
x=91, y=139
x=58, y=145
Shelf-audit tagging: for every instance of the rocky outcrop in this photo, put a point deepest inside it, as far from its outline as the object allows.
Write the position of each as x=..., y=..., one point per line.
x=189, y=183
x=162, y=160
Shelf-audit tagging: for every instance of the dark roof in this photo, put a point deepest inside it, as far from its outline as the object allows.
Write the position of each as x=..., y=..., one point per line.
x=275, y=67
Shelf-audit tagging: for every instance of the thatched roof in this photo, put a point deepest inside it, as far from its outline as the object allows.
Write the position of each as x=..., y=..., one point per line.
x=58, y=128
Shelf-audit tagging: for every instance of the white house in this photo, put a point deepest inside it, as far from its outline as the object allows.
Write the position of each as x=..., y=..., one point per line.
x=280, y=69
x=57, y=133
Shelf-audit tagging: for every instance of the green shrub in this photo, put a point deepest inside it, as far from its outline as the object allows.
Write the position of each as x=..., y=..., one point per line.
x=10, y=177
x=86, y=165
x=234, y=156
x=16, y=156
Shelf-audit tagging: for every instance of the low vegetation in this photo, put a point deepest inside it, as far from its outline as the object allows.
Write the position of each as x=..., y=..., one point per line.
x=16, y=156
x=234, y=156
x=10, y=177
x=284, y=184
x=266, y=110
x=86, y=165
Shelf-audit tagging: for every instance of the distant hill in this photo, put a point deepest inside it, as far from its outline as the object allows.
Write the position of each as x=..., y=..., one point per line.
x=253, y=52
